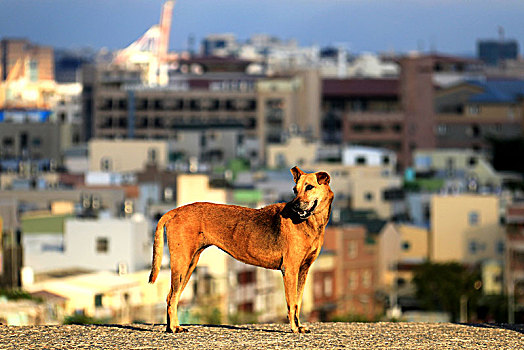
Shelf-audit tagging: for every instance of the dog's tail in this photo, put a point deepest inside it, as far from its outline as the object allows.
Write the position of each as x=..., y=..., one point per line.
x=158, y=246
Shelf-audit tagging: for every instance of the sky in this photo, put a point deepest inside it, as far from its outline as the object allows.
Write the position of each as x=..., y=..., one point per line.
x=447, y=26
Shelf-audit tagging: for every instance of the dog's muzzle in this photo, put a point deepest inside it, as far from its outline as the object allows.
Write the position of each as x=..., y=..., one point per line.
x=304, y=213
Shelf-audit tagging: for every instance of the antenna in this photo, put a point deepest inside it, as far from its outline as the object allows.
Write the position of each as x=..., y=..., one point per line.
x=501, y=33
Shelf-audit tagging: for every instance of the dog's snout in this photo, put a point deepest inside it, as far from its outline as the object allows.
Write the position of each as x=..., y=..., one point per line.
x=297, y=206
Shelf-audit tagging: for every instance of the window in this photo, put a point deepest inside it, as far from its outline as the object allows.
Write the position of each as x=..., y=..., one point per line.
x=8, y=141
x=473, y=218
x=352, y=249
x=353, y=281
x=33, y=70
x=442, y=129
x=102, y=245
x=385, y=160
x=360, y=160
x=368, y=196
x=246, y=277
x=98, y=300
x=366, y=279
x=474, y=109
x=328, y=286
x=37, y=141
x=151, y=155
x=499, y=249
x=473, y=247
x=405, y=245
x=472, y=161
x=105, y=164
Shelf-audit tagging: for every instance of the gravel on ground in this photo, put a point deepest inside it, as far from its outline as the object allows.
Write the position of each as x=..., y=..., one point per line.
x=380, y=335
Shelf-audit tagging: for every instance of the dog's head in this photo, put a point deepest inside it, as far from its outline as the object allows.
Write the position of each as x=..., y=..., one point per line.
x=312, y=193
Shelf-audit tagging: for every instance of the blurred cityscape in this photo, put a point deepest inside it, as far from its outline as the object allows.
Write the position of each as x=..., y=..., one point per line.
x=425, y=152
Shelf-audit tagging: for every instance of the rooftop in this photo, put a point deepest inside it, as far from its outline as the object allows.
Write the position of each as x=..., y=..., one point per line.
x=361, y=88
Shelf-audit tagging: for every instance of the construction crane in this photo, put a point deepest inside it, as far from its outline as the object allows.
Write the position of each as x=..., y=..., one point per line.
x=150, y=51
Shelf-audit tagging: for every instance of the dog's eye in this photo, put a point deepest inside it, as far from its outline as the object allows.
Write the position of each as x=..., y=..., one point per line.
x=309, y=187
x=295, y=190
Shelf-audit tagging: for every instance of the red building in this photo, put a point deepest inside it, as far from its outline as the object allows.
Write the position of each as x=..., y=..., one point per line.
x=515, y=261
x=347, y=289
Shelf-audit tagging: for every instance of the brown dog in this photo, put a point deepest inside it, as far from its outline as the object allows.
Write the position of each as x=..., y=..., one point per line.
x=283, y=236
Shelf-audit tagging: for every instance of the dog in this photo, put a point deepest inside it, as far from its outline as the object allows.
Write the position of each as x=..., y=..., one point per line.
x=283, y=236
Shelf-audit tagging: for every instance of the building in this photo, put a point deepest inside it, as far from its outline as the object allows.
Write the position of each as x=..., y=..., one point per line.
x=355, y=272
x=401, y=248
x=26, y=75
x=30, y=100
x=102, y=295
x=471, y=169
x=59, y=243
x=11, y=250
x=367, y=156
x=514, y=262
x=471, y=112
x=466, y=229
x=126, y=156
x=362, y=111
x=393, y=113
x=109, y=199
x=117, y=105
x=495, y=52
x=257, y=295
x=196, y=188
x=289, y=105
x=220, y=45
x=322, y=275
x=296, y=150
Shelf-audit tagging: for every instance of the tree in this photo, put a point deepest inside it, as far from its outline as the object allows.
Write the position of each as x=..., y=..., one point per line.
x=440, y=286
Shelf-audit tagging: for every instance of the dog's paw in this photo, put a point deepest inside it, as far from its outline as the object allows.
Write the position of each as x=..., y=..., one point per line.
x=176, y=329
x=303, y=329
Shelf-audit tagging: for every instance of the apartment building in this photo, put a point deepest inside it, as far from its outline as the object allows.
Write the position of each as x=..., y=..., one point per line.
x=117, y=105
x=470, y=112
x=514, y=261
x=394, y=113
x=466, y=228
x=354, y=278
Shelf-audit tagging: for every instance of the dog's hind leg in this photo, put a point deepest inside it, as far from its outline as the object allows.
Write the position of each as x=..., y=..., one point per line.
x=181, y=270
x=173, y=326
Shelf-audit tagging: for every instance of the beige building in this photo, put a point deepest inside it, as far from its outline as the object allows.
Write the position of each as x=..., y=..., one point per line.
x=465, y=228
x=126, y=155
x=368, y=190
x=195, y=188
x=288, y=104
x=295, y=151
x=401, y=247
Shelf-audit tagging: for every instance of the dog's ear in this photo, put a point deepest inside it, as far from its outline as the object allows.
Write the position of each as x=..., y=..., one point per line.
x=323, y=178
x=297, y=173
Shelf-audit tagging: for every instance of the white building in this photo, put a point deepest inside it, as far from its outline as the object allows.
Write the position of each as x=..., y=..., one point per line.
x=122, y=245
x=368, y=156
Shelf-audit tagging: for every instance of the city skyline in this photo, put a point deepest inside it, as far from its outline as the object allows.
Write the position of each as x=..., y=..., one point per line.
x=376, y=26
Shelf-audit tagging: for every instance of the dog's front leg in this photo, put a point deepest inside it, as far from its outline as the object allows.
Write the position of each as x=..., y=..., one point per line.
x=302, y=275
x=291, y=288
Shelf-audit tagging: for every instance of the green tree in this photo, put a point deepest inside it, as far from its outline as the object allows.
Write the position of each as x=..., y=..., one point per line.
x=440, y=287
